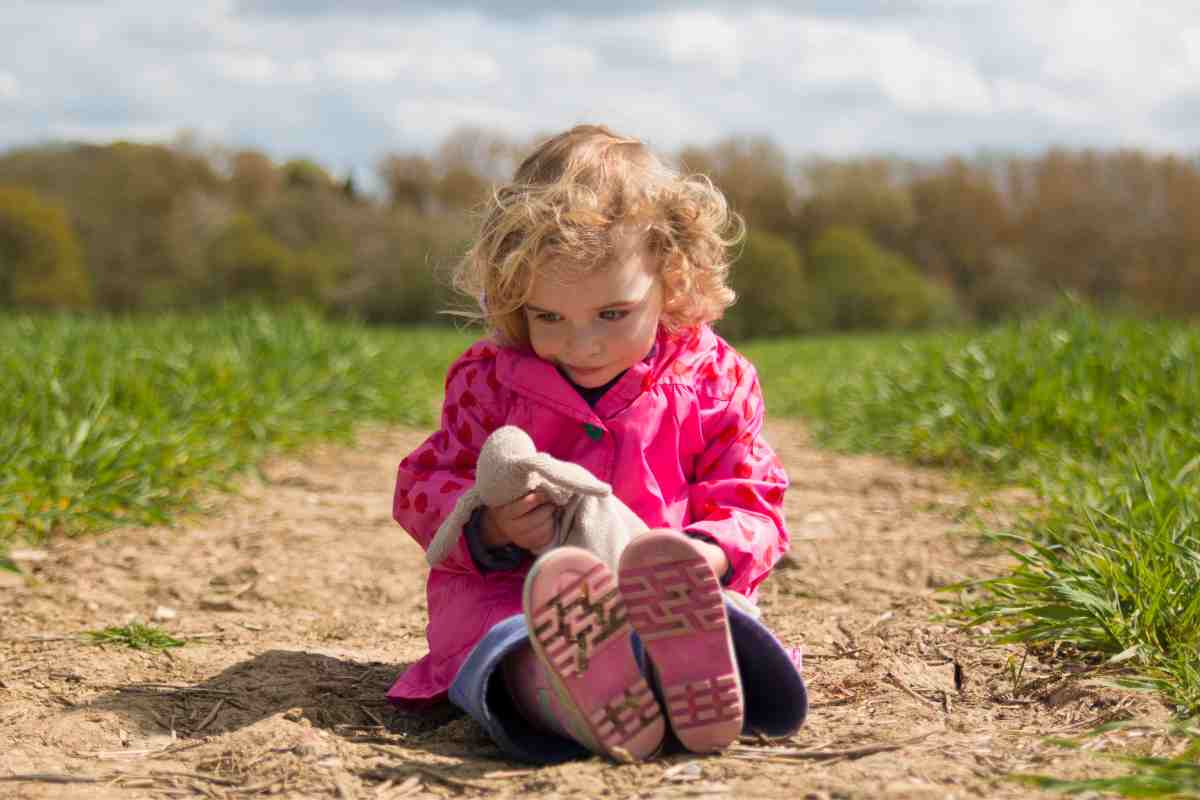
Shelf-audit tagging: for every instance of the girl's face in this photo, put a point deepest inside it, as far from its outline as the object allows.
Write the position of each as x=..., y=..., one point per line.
x=597, y=325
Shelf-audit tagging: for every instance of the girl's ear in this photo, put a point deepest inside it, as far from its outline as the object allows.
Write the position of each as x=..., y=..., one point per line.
x=567, y=475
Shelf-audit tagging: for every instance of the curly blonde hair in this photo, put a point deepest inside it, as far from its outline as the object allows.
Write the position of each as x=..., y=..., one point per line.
x=563, y=211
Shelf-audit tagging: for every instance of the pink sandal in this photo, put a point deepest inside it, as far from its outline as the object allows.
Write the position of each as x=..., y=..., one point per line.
x=676, y=607
x=579, y=630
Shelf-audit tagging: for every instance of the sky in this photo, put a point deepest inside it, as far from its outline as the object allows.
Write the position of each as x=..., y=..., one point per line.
x=347, y=81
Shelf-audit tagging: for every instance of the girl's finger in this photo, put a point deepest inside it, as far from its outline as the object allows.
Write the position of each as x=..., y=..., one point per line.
x=535, y=528
x=539, y=517
x=523, y=505
x=535, y=503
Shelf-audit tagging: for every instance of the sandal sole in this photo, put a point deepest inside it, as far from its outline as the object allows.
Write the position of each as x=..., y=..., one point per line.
x=578, y=628
x=675, y=604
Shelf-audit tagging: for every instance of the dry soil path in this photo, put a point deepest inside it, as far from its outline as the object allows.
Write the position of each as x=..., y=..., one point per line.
x=304, y=600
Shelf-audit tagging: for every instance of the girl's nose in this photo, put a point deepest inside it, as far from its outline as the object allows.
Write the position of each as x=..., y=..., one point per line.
x=582, y=342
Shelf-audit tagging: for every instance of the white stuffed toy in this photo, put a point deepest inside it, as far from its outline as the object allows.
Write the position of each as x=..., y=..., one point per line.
x=589, y=514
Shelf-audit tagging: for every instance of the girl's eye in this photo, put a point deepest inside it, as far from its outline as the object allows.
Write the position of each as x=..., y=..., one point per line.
x=614, y=314
x=546, y=316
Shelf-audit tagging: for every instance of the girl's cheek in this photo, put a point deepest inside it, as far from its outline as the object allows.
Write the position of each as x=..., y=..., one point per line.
x=545, y=344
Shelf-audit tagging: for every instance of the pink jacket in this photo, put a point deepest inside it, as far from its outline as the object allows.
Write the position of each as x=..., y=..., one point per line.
x=678, y=437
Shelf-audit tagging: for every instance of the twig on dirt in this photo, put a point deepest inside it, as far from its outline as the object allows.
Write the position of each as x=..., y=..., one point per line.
x=749, y=753
x=433, y=774
x=74, y=637
x=179, y=748
x=882, y=618
x=373, y=716
x=118, y=754
x=366, y=674
x=134, y=782
x=428, y=772
x=211, y=715
x=23, y=670
x=273, y=752
x=903, y=687
x=843, y=654
x=48, y=777
x=757, y=737
x=390, y=788
x=505, y=774
x=841, y=701
x=195, y=776
x=162, y=688
x=255, y=788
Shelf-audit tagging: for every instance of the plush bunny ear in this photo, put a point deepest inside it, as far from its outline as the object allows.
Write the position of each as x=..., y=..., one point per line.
x=567, y=475
x=450, y=530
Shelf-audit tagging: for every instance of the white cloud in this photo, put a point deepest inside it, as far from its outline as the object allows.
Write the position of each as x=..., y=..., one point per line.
x=566, y=60
x=1020, y=97
x=703, y=38
x=138, y=132
x=1191, y=46
x=918, y=76
x=367, y=65
x=10, y=87
x=264, y=70
x=442, y=65
x=431, y=118
x=927, y=77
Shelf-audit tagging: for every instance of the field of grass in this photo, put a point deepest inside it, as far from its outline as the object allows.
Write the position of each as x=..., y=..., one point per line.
x=111, y=421
x=1102, y=416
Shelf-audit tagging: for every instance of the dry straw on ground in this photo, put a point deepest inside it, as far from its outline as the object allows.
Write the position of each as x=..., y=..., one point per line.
x=303, y=600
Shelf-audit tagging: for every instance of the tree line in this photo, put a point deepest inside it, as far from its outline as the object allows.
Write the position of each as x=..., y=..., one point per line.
x=832, y=244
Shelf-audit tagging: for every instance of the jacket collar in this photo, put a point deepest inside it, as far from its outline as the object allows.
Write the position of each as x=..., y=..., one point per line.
x=523, y=372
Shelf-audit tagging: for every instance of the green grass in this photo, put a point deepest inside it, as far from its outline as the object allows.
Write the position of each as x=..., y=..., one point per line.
x=1150, y=776
x=135, y=635
x=1102, y=415
x=123, y=421
x=112, y=421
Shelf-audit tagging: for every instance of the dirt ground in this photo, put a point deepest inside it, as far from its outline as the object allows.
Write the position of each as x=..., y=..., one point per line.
x=302, y=601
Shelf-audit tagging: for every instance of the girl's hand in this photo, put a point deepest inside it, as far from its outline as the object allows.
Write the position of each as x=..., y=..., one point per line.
x=527, y=522
x=714, y=555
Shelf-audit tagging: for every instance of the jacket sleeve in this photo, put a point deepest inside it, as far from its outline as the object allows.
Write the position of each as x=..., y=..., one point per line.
x=736, y=498
x=430, y=480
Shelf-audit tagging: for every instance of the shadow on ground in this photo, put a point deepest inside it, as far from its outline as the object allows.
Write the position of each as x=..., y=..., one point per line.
x=343, y=696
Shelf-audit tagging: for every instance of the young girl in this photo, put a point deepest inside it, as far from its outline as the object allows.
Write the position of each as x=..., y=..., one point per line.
x=597, y=271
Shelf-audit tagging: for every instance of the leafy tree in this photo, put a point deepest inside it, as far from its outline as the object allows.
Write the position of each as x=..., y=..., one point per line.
x=125, y=202
x=868, y=194
x=410, y=182
x=857, y=284
x=755, y=176
x=247, y=262
x=40, y=263
x=303, y=173
x=253, y=179
x=961, y=233
x=773, y=296
x=399, y=268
